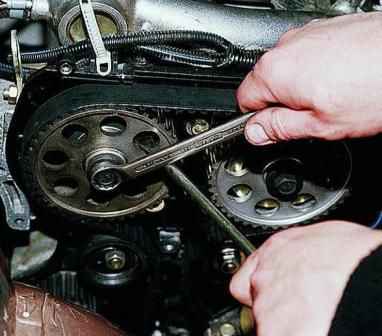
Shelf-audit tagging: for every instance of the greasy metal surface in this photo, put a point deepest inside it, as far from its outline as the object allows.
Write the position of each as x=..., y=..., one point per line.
x=15, y=204
x=244, y=26
x=248, y=27
x=185, y=148
x=28, y=260
x=220, y=219
x=38, y=313
x=331, y=167
x=70, y=17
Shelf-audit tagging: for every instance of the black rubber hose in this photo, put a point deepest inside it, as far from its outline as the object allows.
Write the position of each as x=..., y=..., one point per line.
x=7, y=72
x=194, y=58
x=244, y=57
x=4, y=13
x=130, y=40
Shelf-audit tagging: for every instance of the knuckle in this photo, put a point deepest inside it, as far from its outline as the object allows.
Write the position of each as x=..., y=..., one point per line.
x=277, y=125
x=263, y=66
x=276, y=239
x=287, y=36
x=258, y=279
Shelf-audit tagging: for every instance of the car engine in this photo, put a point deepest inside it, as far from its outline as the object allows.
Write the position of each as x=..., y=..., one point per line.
x=126, y=184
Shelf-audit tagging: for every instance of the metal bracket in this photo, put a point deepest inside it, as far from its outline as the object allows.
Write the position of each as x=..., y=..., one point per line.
x=17, y=65
x=16, y=207
x=103, y=56
x=17, y=214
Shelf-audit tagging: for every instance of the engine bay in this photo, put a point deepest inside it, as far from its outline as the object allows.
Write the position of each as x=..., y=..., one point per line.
x=123, y=189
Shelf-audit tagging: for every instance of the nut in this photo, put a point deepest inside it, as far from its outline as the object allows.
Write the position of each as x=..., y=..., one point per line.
x=10, y=94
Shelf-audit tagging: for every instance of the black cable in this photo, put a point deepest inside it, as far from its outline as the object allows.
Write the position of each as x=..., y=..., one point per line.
x=181, y=56
x=7, y=72
x=130, y=40
x=159, y=44
x=4, y=13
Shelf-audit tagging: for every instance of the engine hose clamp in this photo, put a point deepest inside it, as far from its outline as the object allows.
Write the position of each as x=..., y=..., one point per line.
x=103, y=56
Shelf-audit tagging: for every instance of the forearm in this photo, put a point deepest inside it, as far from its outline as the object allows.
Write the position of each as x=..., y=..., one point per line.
x=360, y=309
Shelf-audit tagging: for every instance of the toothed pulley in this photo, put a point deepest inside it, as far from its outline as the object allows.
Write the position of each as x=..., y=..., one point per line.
x=281, y=185
x=67, y=147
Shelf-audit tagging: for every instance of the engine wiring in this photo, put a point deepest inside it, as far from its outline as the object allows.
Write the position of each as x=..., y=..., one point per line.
x=168, y=46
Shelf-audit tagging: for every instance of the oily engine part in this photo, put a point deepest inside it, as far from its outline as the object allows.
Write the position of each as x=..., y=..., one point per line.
x=112, y=262
x=68, y=146
x=284, y=185
x=249, y=27
x=32, y=311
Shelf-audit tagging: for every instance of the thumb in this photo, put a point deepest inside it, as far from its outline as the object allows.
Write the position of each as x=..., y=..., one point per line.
x=276, y=124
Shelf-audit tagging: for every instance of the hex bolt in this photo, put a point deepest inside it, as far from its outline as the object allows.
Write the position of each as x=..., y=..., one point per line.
x=10, y=94
x=283, y=186
x=227, y=329
x=115, y=260
x=66, y=68
x=286, y=183
x=230, y=260
x=197, y=126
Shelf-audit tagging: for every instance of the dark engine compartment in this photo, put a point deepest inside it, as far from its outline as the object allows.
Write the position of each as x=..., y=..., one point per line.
x=145, y=255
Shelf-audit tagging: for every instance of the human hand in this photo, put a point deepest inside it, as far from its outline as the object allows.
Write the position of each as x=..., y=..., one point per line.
x=296, y=279
x=325, y=79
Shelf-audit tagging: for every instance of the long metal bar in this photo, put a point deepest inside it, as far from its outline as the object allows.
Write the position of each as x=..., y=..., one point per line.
x=185, y=148
x=184, y=182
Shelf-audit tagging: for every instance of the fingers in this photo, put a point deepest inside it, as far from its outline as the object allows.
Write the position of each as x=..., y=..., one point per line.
x=254, y=93
x=240, y=287
x=276, y=124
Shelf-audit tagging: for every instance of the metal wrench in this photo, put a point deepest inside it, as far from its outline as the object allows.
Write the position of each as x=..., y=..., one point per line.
x=178, y=151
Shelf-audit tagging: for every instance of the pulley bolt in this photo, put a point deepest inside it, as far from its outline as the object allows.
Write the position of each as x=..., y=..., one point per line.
x=286, y=183
x=197, y=126
x=115, y=260
x=283, y=186
x=107, y=179
x=227, y=329
x=66, y=69
x=101, y=177
x=230, y=260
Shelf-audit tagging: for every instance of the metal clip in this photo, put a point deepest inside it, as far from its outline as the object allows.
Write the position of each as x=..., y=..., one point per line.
x=17, y=65
x=12, y=199
x=103, y=56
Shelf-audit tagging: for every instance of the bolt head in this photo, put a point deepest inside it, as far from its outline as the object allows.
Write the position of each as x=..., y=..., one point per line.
x=66, y=69
x=286, y=183
x=227, y=329
x=10, y=94
x=284, y=186
x=197, y=126
x=115, y=260
x=169, y=248
x=106, y=180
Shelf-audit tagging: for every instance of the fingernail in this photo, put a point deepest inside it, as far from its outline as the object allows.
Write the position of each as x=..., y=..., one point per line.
x=255, y=133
